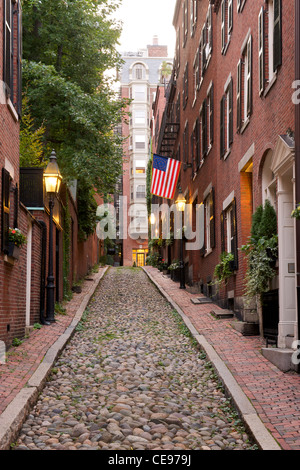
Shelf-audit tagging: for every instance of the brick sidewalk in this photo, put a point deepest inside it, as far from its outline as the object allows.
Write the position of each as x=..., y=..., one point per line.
x=275, y=395
x=22, y=361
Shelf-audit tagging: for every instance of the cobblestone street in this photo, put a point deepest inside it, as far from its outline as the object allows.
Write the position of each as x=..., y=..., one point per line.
x=131, y=378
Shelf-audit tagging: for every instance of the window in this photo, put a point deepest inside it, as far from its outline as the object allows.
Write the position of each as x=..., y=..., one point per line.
x=194, y=12
x=210, y=115
x=139, y=93
x=229, y=240
x=185, y=90
x=140, y=142
x=140, y=167
x=140, y=117
x=226, y=23
x=244, y=85
x=186, y=145
x=177, y=57
x=8, y=46
x=141, y=191
x=195, y=76
x=240, y=5
x=203, y=121
x=6, y=179
x=195, y=146
x=209, y=218
x=205, y=46
x=269, y=42
x=185, y=21
x=139, y=72
x=226, y=118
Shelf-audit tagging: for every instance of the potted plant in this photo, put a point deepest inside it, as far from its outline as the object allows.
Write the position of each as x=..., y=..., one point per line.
x=16, y=240
x=174, y=268
x=261, y=252
x=164, y=265
x=296, y=212
x=224, y=270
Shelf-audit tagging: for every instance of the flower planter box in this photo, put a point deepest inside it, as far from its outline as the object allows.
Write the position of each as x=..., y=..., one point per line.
x=13, y=251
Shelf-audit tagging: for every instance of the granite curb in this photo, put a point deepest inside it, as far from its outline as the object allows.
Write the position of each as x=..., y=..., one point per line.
x=248, y=414
x=14, y=415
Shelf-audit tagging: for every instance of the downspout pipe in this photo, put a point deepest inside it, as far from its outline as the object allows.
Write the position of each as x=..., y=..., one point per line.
x=297, y=161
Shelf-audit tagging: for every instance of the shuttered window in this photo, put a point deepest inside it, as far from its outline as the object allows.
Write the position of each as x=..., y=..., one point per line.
x=5, y=210
x=222, y=127
x=210, y=100
x=229, y=235
x=269, y=42
x=226, y=116
x=238, y=95
x=209, y=215
x=249, y=77
x=261, y=50
x=8, y=46
x=277, y=45
x=185, y=90
x=244, y=96
x=204, y=129
x=19, y=59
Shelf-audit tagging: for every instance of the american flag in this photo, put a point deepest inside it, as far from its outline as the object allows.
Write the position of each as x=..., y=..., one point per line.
x=165, y=172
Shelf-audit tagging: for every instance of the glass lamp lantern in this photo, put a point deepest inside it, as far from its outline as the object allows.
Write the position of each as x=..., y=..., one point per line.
x=180, y=201
x=52, y=176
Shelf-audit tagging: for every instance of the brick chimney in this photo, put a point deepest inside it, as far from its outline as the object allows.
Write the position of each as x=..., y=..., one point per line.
x=155, y=50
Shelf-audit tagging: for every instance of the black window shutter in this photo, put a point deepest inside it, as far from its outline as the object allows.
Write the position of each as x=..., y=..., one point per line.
x=5, y=210
x=249, y=78
x=277, y=44
x=197, y=133
x=261, y=49
x=222, y=127
x=234, y=240
x=211, y=117
x=222, y=232
x=239, y=96
x=204, y=128
x=16, y=206
x=212, y=219
x=230, y=117
x=19, y=61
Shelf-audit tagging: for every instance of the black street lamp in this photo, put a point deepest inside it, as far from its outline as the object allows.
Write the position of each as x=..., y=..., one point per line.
x=180, y=204
x=52, y=181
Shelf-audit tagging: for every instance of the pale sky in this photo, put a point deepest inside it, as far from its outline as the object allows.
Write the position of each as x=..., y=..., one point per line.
x=143, y=19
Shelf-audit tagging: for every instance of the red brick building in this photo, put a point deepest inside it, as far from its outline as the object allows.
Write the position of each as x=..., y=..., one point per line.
x=23, y=205
x=142, y=71
x=235, y=121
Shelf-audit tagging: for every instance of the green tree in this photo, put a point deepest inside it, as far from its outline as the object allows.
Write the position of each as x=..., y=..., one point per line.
x=68, y=46
x=31, y=139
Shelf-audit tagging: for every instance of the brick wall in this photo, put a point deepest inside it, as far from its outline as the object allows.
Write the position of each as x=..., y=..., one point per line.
x=272, y=115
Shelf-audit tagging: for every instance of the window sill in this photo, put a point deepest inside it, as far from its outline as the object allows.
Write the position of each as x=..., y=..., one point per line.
x=224, y=50
x=208, y=252
x=228, y=152
x=270, y=85
x=245, y=124
x=9, y=260
x=12, y=110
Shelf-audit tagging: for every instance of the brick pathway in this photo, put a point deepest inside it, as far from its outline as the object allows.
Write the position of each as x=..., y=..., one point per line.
x=275, y=395
x=22, y=361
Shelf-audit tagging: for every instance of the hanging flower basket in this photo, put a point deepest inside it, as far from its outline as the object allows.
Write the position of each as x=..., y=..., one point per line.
x=16, y=240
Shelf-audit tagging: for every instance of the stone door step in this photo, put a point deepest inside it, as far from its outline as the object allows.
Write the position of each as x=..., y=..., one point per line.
x=222, y=313
x=201, y=301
